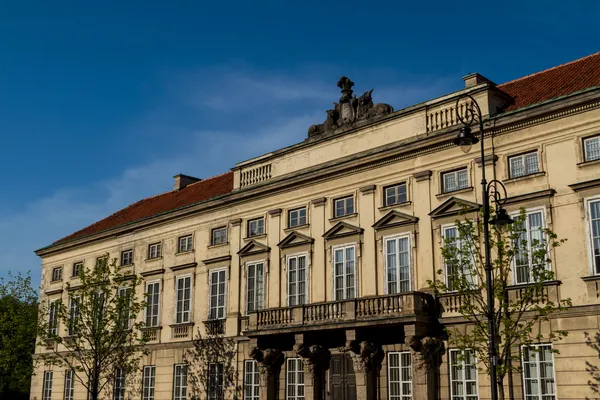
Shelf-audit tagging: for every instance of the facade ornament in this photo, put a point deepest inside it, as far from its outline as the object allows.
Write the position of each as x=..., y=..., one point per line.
x=350, y=110
x=365, y=355
x=269, y=360
x=313, y=356
x=428, y=351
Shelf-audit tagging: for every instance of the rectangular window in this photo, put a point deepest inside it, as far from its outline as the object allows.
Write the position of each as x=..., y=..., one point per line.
x=154, y=251
x=77, y=267
x=524, y=164
x=53, y=317
x=400, y=375
x=184, y=299
x=126, y=257
x=397, y=264
x=219, y=236
x=215, y=381
x=538, y=372
x=119, y=386
x=594, y=229
x=296, y=278
x=69, y=384
x=251, y=380
x=395, y=194
x=295, y=379
x=73, y=315
x=463, y=375
x=57, y=274
x=256, y=227
x=47, y=386
x=255, y=287
x=218, y=287
x=343, y=206
x=457, y=268
x=126, y=294
x=592, y=148
x=530, y=240
x=148, y=382
x=185, y=244
x=455, y=180
x=297, y=217
x=180, y=372
x=344, y=278
x=152, y=303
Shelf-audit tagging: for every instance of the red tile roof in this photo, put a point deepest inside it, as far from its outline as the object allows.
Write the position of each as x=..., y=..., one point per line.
x=554, y=82
x=151, y=206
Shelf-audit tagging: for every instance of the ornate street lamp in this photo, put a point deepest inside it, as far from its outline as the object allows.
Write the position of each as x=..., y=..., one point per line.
x=465, y=139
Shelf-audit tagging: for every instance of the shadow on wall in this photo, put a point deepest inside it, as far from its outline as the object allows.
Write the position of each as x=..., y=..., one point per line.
x=593, y=370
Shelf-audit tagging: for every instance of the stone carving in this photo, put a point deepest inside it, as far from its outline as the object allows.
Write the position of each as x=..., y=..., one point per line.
x=428, y=351
x=269, y=360
x=365, y=355
x=312, y=356
x=350, y=110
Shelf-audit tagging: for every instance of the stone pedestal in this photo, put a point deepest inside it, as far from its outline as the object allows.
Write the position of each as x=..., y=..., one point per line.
x=269, y=364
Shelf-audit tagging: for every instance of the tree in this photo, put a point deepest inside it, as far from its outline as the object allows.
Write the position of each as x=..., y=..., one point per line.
x=101, y=342
x=18, y=324
x=517, y=253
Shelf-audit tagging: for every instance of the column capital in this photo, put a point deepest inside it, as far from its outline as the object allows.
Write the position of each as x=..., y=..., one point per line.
x=365, y=355
x=269, y=360
x=313, y=356
x=428, y=351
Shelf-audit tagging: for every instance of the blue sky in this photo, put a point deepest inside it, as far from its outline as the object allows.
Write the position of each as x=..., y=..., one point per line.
x=102, y=103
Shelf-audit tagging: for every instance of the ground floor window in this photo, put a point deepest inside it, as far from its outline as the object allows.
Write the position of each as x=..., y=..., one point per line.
x=180, y=381
x=400, y=375
x=47, y=386
x=148, y=382
x=119, y=392
x=463, y=375
x=538, y=372
x=294, y=379
x=215, y=381
x=251, y=380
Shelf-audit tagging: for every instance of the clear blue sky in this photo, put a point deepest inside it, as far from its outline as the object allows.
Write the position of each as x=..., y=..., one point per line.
x=102, y=103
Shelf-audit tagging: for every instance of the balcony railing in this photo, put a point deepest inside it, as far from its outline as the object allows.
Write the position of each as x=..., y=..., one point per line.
x=337, y=312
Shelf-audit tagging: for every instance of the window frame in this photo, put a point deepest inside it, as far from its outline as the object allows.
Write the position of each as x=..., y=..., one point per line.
x=180, y=391
x=47, y=385
x=259, y=304
x=395, y=185
x=151, y=379
x=345, y=200
x=188, y=240
x=190, y=299
x=297, y=256
x=149, y=304
x=53, y=317
x=123, y=253
x=464, y=380
x=593, y=268
x=583, y=142
x=255, y=220
x=212, y=235
x=69, y=387
x=77, y=267
x=299, y=218
x=254, y=385
x=119, y=384
x=455, y=171
x=539, y=378
x=344, y=247
x=210, y=296
x=158, y=246
x=535, y=210
x=444, y=228
x=523, y=156
x=60, y=274
x=297, y=371
x=397, y=238
x=401, y=382
x=73, y=314
x=123, y=291
x=220, y=386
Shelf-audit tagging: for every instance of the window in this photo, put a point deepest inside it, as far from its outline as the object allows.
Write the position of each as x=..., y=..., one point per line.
x=154, y=251
x=217, y=294
x=457, y=268
x=395, y=194
x=400, y=375
x=152, y=303
x=538, y=372
x=397, y=264
x=297, y=217
x=219, y=236
x=57, y=274
x=184, y=299
x=344, y=272
x=296, y=280
x=101, y=261
x=77, y=267
x=127, y=257
x=185, y=244
x=251, y=380
x=255, y=287
x=256, y=227
x=125, y=294
x=180, y=372
x=215, y=381
x=119, y=386
x=47, y=386
x=455, y=180
x=69, y=384
x=530, y=240
x=524, y=164
x=73, y=315
x=53, y=318
x=594, y=229
x=295, y=379
x=148, y=382
x=591, y=148
x=463, y=375
x=343, y=206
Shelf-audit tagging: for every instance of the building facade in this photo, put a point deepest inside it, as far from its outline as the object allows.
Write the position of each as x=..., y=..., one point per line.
x=314, y=259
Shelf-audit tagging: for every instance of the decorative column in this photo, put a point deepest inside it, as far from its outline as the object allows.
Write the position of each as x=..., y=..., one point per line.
x=316, y=361
x=269, y=363
x=366, y=360
x=426, y=359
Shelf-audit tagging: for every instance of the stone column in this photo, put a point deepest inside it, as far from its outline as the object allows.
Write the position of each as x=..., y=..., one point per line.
x=269, y=363
x=366, y=360
x=426, y=358
x=316, y=360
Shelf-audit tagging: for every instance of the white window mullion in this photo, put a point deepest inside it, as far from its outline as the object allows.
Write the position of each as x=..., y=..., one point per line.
x=400, y=375
x=183, y=298
x=344, y=272
x=251, y=380
x=152, y=304
x=296, y=280
x=463, y=375
x=47, y=386
x=538, y=372
x=397, y=263
x=180, y=381
x=217, y=294
x=148, y=382
x=593, y=215
x=294, y=379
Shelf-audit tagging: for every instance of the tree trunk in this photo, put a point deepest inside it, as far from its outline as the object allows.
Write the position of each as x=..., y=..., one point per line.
x=499, y=381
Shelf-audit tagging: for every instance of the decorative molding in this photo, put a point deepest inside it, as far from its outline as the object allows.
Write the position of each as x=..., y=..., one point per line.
x=216, y=259
x=153, y=272
x=184, y=266
x=55, y=291
x=524, y=177
x=275, y=212
x=319, y=202
x=368, y=189
x=342, y=229
x=253, y=247
x=295, y=239
x=395, y=218
x=490, y=159
x=235, y=222
x=422, y=175
x=576, y=187
x=454, y=206
x=530, y=196
x=591, y=278
x=124, y=278
x=554, y=282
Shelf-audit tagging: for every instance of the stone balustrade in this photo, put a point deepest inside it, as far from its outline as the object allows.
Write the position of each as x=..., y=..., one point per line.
x=444, y=116
x=255, y=175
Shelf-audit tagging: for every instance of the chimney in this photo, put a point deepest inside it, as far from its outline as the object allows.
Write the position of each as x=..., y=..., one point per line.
x=475, y=79
x=182, y=181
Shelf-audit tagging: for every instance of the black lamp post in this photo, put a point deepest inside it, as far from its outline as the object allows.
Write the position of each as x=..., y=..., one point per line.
x=470, y=114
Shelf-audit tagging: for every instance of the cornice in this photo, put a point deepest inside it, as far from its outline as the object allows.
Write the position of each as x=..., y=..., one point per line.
x=576, y=187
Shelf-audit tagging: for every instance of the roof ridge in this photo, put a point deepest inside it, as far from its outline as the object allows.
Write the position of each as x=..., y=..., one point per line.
x=550, y=69
x=206, y=179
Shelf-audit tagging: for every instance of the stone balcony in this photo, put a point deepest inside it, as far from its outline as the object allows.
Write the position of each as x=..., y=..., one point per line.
x=407, y=307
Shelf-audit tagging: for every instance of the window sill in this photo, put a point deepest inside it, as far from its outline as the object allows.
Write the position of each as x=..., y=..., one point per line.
x=292, y=228
x=153, y=259
x=190, y=323
x=212, y=246
x=524, y=285
x=588, y=163
x=392, y=206
x=74, y=277
x=248, y=238
x=180, y=253
x=591, y=278
x=452, y=193
x=525, y=177
x=56, y=281
x=343, y=217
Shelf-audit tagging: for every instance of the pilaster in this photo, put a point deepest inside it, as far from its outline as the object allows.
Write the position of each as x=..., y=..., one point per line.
x=318, y=259
x=368, y=275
